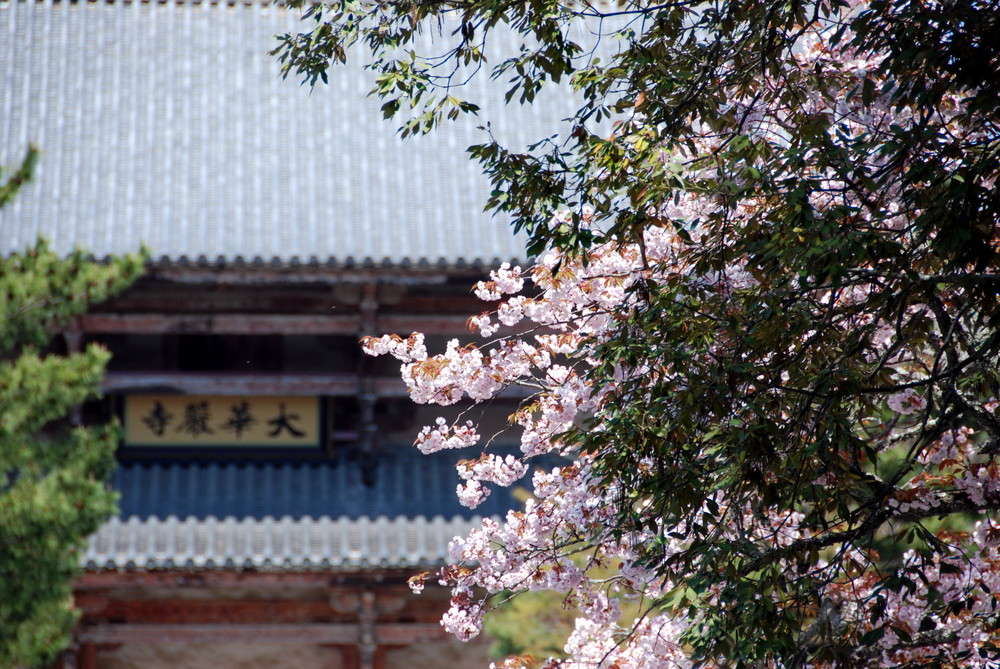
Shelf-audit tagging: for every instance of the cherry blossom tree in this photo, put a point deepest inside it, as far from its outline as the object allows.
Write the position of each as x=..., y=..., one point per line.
x=761, y=329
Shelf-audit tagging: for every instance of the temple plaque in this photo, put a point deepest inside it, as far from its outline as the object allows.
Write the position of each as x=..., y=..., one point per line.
x=222, y=421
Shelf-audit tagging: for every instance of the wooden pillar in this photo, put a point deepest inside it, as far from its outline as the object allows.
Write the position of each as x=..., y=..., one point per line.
x=352, y=657
x=368, y=651
x=367, y=398
x=378, y=658
x=86, y=656
x=339, y=651
x=368, y=635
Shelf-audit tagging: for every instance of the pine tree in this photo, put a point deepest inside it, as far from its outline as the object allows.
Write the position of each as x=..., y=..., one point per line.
x=54, y=491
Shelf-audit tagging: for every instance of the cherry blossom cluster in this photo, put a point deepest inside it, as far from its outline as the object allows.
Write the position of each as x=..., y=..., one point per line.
x=553, y=316
x=442, y=436
x=907, y=402
x=536, y=548
x=909, y=633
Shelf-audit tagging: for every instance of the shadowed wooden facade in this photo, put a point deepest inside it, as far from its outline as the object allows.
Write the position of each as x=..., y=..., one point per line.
x=354, y=620
x=360, y=615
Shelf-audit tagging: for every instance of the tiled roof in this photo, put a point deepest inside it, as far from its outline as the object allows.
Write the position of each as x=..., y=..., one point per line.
x=273, y=545
x=404, y=484
x=166, y=123
x=407, y=487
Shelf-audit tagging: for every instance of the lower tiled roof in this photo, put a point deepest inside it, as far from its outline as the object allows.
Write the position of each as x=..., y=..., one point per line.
x=266, y=544
x=341, y=515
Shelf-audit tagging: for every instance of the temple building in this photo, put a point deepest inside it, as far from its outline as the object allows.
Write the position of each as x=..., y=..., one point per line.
x=272, y=506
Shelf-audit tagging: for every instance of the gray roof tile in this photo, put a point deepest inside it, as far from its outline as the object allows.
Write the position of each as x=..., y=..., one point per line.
x=167, y=124
x=267, y=544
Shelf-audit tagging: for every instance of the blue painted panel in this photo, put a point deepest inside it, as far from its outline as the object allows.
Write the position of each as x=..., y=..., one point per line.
x=406, y=484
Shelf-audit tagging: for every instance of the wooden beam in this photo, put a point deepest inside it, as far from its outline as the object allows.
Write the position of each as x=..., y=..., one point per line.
x=393, y=634
x=167, y=579
x=192, y=383
x=264, y=324
x=404, y=324
x=218, y=324
x=404, y=634
x=336, y=633
x=268, y=272
x=221, y=610
x=237, y=385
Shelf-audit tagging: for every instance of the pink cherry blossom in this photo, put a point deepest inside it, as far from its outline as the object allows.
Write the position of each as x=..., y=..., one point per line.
x=563, y=308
